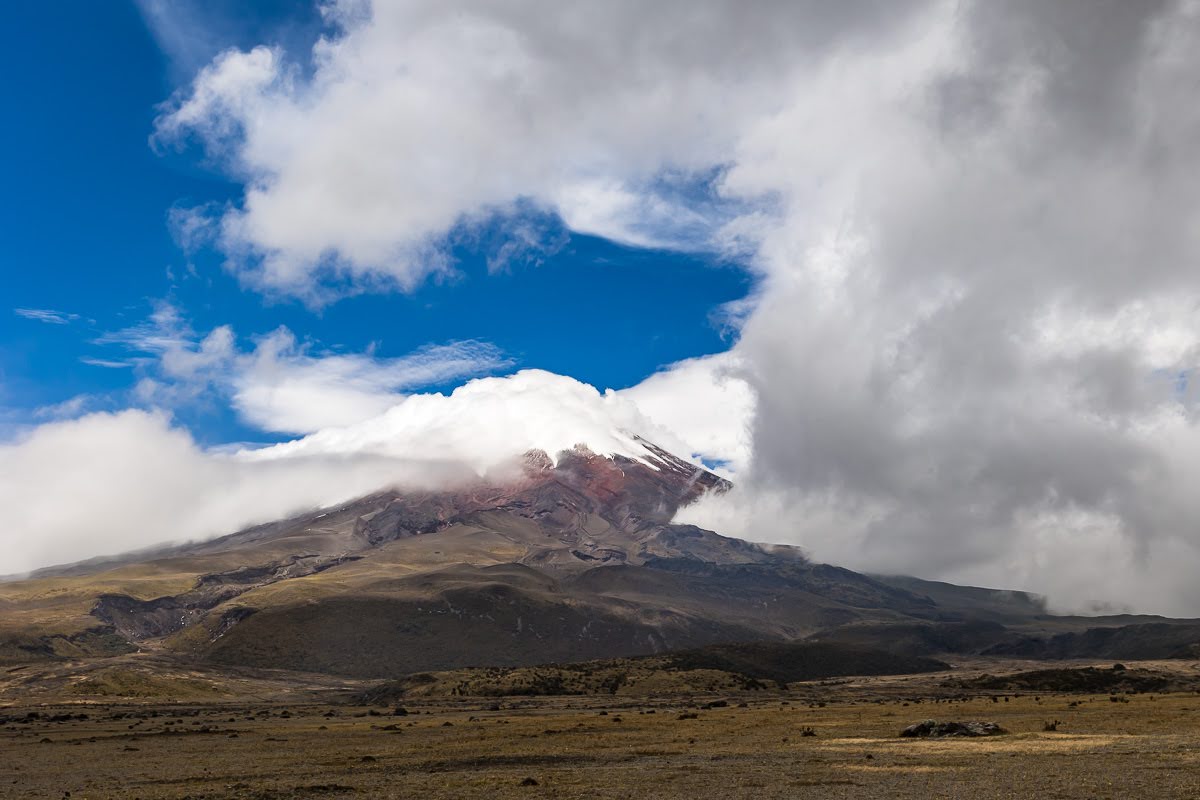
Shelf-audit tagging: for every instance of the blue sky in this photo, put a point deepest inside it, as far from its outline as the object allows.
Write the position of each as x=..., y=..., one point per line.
x=86, y=235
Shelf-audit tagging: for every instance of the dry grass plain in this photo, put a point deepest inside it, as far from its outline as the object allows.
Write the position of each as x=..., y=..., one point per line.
x=266, y=742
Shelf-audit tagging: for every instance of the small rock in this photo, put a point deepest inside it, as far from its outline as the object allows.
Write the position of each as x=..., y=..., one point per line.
x=529, y=782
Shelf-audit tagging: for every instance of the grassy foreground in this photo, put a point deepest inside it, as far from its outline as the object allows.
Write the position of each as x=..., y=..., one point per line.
x=832, y=739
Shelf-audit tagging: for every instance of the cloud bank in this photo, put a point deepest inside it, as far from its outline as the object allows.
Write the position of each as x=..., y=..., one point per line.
x=110, y=482
x=107, y=483
x=973, y=350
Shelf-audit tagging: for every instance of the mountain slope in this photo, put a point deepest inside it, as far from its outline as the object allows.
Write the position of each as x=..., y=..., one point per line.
x=568, y=559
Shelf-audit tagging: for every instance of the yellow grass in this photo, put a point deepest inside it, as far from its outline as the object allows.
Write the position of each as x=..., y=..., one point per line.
x=1144, y=748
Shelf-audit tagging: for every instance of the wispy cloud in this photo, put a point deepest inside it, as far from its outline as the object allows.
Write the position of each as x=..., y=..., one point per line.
x=67, y=409
x=164, y=330
x=183, y=31
x=280, y=384
x=285, y=386
x=47, y=315
x=192, y=32
x=106, y=363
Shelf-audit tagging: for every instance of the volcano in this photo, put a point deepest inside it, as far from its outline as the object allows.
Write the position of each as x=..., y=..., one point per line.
x=572, y=557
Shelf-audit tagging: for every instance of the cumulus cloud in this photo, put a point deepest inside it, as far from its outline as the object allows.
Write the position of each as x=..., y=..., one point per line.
x=973, y=350
x=971, y=355
x=708, y=407
x=418, y=117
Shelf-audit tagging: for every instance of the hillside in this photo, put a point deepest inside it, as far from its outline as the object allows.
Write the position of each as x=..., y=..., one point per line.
x=724, y=667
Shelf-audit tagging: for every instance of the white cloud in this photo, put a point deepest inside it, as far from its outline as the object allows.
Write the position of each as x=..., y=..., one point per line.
x=46, y=315
x=284, y=386
x=706, y=404
x=181, y=31
x=106, y=483
x=642, y=216
x=489, y=420
x=71, y=407
x=163, y=331
x=280, y=387
x=973, y=346
x=105, y=363
x=420, y=116
x=193, y=228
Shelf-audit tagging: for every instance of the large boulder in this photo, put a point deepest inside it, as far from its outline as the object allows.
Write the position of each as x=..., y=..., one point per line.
x=932, y=727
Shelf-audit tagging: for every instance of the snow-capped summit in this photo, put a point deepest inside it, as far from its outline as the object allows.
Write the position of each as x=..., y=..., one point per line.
x=488, y=422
